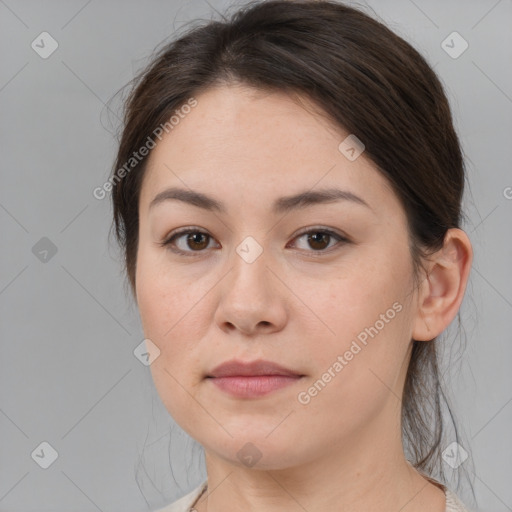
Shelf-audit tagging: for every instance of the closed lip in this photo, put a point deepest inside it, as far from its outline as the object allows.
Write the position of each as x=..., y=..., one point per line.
x=236, y=368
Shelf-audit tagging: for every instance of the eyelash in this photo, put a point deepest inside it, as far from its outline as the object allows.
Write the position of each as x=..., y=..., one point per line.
x=186, y=231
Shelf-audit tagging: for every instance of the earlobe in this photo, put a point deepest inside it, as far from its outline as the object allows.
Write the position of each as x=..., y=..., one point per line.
x=442, y=291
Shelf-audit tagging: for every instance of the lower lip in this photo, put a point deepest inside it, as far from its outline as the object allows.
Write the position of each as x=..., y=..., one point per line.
x=250, y=387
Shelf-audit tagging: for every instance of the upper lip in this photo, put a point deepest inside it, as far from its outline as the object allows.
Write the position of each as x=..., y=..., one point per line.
x=260, y=367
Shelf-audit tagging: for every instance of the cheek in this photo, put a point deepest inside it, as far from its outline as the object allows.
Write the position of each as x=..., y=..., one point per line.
x=357, y=373
x=174, y=315
x=366, y=319
x=366, y=289
x=168, y=321
x=161, y=297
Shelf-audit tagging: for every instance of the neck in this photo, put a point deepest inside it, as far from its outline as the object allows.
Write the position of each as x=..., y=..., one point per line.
x=346, y=479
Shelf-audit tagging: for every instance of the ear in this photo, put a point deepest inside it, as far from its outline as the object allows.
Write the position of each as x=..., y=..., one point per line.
x=441, y=292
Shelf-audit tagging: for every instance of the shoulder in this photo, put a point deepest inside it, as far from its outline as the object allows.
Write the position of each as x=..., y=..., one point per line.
x=453, y=504
x=185, y=502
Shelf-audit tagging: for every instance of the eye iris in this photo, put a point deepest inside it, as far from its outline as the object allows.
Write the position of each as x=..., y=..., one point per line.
x=192, y=238
x=318, y=237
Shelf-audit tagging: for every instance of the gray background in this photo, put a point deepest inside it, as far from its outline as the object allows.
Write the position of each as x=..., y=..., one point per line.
x=68, y=375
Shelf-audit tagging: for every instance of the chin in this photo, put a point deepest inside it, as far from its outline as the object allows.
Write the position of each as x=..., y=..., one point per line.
x=257, y=451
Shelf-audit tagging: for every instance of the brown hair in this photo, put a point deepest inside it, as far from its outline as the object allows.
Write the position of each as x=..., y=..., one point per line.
x=366, y=79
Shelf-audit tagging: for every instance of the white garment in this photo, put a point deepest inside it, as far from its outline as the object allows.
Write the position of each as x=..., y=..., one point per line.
x=184, y=504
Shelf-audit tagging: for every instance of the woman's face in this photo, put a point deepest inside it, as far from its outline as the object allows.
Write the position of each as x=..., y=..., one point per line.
x=268, y=283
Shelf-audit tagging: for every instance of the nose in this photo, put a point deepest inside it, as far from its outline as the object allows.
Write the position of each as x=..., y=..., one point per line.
x=252, y=299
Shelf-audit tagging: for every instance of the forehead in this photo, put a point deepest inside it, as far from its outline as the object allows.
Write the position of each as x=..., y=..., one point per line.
x=246, y=141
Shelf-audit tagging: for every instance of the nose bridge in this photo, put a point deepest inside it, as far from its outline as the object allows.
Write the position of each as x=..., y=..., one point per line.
x=249, y=296
x=250, y=260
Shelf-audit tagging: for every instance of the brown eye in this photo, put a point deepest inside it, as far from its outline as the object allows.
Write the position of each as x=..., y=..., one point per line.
x=320, y=239
x=188, y=242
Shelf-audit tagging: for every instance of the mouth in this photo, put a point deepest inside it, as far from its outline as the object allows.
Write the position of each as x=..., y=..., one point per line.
x=259, y=368
x=253, y=379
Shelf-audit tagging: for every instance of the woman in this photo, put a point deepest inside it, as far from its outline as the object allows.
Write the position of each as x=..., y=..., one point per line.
x=287, y=193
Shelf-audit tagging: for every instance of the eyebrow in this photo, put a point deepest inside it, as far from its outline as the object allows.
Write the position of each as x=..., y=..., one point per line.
x=281, y=205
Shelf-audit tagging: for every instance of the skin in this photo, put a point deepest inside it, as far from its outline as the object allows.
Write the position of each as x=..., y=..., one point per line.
x=294, y=305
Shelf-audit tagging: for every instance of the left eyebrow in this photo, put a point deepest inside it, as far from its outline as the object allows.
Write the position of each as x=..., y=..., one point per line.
x=281, y=205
